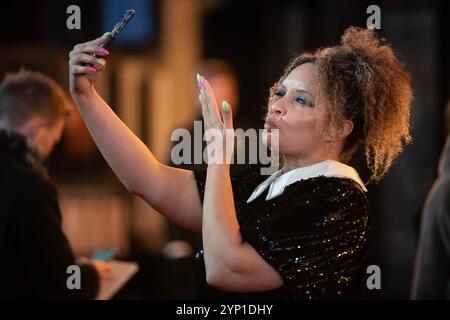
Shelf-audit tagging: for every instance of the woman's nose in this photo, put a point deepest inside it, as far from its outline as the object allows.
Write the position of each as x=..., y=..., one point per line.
x=278, y=107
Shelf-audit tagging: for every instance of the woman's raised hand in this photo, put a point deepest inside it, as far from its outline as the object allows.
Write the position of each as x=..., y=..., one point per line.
x=84, y=67
x=218, y=125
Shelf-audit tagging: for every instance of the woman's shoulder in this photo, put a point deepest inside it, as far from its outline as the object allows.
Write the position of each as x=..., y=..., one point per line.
x=331, y=194
x=318, y=202
x=338, y=188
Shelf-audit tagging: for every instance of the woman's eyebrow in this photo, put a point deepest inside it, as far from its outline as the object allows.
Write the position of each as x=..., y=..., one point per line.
x=298, y=90
x=304, y=91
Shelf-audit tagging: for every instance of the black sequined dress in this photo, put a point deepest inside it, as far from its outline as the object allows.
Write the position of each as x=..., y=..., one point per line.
x=315, y=234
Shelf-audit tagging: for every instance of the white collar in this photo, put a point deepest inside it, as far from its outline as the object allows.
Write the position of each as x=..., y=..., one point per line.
x=328, y=168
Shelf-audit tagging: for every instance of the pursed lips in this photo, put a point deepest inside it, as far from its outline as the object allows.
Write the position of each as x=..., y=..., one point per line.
x=269, y=124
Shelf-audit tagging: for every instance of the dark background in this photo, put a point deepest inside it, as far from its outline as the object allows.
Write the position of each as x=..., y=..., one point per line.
x=259, y=38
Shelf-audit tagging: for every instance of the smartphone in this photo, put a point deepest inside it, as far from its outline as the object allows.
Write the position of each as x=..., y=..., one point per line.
x=116, y=30
x=104, y=254
x=129, y=14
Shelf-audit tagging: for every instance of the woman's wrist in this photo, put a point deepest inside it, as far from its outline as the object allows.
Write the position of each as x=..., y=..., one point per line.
x=82, y=97
x=215, y=166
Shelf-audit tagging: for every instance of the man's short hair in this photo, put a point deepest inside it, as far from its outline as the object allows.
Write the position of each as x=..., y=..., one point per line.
x=27, y=94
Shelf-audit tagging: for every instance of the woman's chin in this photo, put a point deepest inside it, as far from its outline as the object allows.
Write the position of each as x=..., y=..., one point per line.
x=266, y=138
x=270, y=140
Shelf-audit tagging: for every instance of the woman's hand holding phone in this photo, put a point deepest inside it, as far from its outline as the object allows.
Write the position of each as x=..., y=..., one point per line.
x=86, y=64
x=86, y=59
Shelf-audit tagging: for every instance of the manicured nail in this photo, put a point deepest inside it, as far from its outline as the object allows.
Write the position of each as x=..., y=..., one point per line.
x=198, y=77
x=100, y=62
x=200, y=83
x=200, y=98
x=91, y=70
x=105, y=34
x=225, y=106
x=103, y=51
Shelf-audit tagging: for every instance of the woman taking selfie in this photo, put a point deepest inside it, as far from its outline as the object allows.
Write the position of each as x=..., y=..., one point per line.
x=303, y=231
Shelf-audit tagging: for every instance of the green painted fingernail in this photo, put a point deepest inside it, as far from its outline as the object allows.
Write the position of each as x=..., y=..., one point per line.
x=198, y=77
x=105, y=34
x=225, y=106
x=100, y=62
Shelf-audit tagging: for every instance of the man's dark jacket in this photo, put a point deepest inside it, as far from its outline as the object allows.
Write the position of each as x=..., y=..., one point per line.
x=35, y=253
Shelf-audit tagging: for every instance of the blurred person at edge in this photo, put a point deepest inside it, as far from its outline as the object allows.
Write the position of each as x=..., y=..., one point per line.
x=432, y=267
x=35, y=251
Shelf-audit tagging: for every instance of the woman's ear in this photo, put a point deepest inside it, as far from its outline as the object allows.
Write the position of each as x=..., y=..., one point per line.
x=339, y=131
x=346, y=129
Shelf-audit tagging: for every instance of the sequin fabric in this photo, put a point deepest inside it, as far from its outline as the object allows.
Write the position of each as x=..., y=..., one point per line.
x=315, y=234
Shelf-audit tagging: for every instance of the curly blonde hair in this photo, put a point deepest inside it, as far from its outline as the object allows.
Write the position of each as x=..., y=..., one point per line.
x=363, y=81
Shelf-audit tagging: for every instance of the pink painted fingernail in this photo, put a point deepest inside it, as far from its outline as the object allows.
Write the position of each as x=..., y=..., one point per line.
x=91, y=70
x=200, y=86
x=103, y=51
x=199, y=82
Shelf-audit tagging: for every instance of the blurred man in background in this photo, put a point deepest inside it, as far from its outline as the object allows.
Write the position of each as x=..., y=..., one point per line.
x=35, y=252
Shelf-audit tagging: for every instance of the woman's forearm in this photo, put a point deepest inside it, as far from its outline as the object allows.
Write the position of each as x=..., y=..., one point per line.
x=123, y=150
x=137, y=168
x=221, y=235
x=230, y=263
